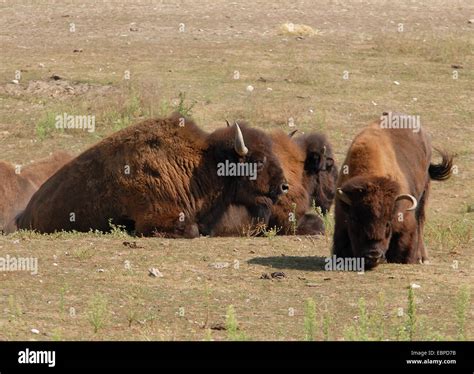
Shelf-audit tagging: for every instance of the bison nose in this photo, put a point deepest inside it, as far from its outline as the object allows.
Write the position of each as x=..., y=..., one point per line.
x=374, y=254
x=284, y=187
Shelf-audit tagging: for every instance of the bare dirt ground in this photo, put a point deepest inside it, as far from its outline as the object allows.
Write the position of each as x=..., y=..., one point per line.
x=406, y=56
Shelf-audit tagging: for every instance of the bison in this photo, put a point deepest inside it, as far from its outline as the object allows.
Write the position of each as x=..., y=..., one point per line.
x=163, y=177
x=40, y=170
x=15, y=192
x=16, y=189
x=382, y=192
x=320, y=170
x=290, y=213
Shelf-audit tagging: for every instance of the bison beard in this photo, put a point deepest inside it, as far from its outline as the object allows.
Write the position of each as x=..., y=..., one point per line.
x=158, y=177
x=381, y=201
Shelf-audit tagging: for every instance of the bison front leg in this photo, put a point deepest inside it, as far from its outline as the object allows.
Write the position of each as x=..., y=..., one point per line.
x=404, y=244
x=169, y=225
x=342, y=243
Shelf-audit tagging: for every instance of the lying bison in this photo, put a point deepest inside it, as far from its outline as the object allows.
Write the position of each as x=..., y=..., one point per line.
x=17, y=186
x=382, y=192
x=290, y=213
x=320, y=170
x=161, y=177
x=40, y=170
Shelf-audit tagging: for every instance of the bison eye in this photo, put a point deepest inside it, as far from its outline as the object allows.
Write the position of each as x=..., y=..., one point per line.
x=261, y=163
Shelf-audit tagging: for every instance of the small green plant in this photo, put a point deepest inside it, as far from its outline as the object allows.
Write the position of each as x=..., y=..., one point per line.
x=328, y=220
x=208, y=336
x=326, y=325
x=46, y=126
x=62, y=293
x=232, y=326
x=132, y=316
x=164, y=108
x=310, y=320
x=56, y=335
x=97, y=312
x=117, y=231
x=363, y=322
x=83, y=253
x=411, y=314
x=270, y=233
x=181, y=107
x=462, y=306
x=377, y=320
x=124, y=114
x=350, y=333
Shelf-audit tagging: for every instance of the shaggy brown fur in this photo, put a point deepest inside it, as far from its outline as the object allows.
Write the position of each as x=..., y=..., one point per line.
x=320, y=170
x=382, y=164
x=236, y=221
x=17, y=189
x=158, y=177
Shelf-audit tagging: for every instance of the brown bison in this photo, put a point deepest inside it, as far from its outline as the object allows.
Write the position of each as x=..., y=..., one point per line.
x=16, y=189
x=15, y=192
x=290, y=213
x=382, y=192
x=40, y=170
x=320, y=170
x=161, y=177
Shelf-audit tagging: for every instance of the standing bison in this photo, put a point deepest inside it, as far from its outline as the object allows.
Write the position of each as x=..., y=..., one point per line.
x=16, y=189
x=160, y=177
x=382, y=193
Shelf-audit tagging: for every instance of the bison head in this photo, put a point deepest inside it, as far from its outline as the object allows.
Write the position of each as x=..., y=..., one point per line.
x=255, y=148
x=370, y=205
x=319, y=155
x=250, y=148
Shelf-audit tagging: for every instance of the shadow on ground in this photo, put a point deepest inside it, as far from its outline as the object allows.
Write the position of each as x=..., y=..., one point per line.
x=309, y=263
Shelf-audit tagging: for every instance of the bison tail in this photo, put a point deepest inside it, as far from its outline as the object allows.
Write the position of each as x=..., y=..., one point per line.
x=443, y=170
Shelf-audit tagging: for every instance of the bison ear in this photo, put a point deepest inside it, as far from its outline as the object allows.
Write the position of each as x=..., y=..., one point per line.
x=329, y=163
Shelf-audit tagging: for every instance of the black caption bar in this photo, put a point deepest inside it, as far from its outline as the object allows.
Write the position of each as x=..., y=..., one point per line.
x=446, y=357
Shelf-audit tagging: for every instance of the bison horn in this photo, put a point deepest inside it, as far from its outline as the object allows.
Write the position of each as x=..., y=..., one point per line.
x=239, y=144
x=408, y=197
x=343, y=196
x=324, y=150
x=228, y=123
x=292, y=133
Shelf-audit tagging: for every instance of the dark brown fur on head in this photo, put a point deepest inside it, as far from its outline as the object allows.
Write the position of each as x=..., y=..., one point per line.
x=369, y=216
x=320, y=169
x=257, y=195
